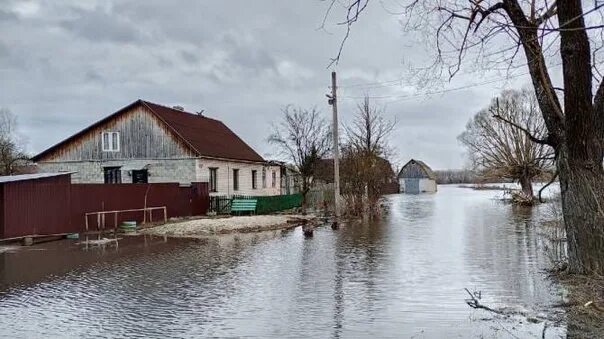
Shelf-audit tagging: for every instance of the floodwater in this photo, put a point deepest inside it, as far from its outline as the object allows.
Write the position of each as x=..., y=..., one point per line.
x=400, y=277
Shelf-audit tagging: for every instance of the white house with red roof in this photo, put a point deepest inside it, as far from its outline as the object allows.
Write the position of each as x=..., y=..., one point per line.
x=146, y=142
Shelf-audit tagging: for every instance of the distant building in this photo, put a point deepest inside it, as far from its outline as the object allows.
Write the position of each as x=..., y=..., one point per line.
x=290, y=178
x=416, y=177
x=149, y=143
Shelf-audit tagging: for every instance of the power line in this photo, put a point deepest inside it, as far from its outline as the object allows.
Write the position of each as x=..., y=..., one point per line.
x=419, y=95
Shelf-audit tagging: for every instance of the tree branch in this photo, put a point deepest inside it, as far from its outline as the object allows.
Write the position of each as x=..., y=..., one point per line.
x=526, y=131
x=486, y=12
x=549, y=13
x=546, y=185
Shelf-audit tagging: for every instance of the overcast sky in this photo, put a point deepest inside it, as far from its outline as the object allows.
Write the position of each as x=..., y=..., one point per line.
x=66, y=64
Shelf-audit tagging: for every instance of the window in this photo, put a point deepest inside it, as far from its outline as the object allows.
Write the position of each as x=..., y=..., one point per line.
x=140, y=176
x=111, y=141
x=254, y=181
x=274, y=183
x=113, y=175
x=213, y=179
x=235, y=180
x=263, y=177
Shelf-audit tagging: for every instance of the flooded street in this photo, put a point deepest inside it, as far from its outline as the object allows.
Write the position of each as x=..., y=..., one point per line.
x=401, y=277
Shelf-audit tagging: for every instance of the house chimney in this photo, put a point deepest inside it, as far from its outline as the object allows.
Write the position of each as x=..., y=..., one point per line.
x=179, y=108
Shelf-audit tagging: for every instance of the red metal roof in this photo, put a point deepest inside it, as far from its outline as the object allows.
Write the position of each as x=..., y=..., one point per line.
x=207, y=137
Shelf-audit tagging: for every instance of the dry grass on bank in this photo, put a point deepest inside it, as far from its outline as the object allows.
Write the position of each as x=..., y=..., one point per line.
x=585, y=308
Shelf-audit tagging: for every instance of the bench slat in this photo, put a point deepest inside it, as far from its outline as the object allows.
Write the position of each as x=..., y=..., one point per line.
x=244, y=205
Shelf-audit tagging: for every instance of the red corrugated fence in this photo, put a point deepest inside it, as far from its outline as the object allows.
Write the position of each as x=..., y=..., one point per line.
x=53, y=205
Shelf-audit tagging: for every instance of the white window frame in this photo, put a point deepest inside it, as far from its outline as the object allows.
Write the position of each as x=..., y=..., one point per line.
x=213, y=179
x=254, y=179
x=109, y=146
x=263, y=177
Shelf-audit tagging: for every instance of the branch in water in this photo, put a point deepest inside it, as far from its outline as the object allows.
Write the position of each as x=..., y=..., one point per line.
x=474, y=302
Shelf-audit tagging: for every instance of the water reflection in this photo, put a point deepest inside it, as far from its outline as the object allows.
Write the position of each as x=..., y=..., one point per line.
x=401, y=276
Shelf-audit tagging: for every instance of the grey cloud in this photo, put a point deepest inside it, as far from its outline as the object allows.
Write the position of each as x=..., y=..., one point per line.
x=7, y=16
x=92, y=75
x=99, y=25
x=189, y=57
x=4, y=51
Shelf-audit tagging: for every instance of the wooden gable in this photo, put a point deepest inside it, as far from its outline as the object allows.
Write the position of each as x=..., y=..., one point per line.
x=142, y=135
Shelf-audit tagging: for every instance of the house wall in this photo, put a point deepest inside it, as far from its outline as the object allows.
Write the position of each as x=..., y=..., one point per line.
x=166, y=170
x=142, y=136
x=225, y=177
x=427, y=185
x=417, y=185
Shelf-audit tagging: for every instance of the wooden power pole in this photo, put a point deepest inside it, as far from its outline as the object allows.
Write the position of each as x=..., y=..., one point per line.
x=333, y=101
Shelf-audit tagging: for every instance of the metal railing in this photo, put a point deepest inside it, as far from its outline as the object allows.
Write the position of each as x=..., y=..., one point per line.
x=100, y=216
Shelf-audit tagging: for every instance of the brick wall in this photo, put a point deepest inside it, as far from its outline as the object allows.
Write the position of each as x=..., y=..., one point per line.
x=169, y=170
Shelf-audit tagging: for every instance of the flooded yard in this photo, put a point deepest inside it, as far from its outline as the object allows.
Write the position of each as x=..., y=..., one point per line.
x=400, y=277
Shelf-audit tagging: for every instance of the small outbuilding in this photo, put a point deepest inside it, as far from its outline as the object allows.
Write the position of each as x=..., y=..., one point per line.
x=417, y=177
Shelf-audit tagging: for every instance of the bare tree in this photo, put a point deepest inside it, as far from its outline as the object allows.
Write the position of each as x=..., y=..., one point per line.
x=365, y=168
x=561, y=32
x=304, y=138
x=369, y=130
x=499, y=149
x=11, y=153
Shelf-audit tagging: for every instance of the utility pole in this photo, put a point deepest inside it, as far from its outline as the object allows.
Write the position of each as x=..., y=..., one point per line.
x=333, y=101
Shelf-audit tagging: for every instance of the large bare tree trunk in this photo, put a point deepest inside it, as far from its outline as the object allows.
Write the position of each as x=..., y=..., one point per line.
x=576, y=134
x=580, y=152
x=582, y=190
x=526, y=185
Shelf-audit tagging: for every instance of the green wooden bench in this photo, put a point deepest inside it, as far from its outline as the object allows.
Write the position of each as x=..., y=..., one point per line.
x=244, y=205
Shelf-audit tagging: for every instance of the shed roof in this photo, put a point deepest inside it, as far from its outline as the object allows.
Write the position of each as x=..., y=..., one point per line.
x=427, y=170
x=24, y=177
x=205, y=136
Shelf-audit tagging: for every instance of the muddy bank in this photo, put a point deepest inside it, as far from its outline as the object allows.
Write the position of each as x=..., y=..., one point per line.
x=585, y=306
x=238, y=224
x=584, y=301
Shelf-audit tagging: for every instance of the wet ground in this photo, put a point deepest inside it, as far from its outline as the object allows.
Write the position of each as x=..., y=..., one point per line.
x=400, y=277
